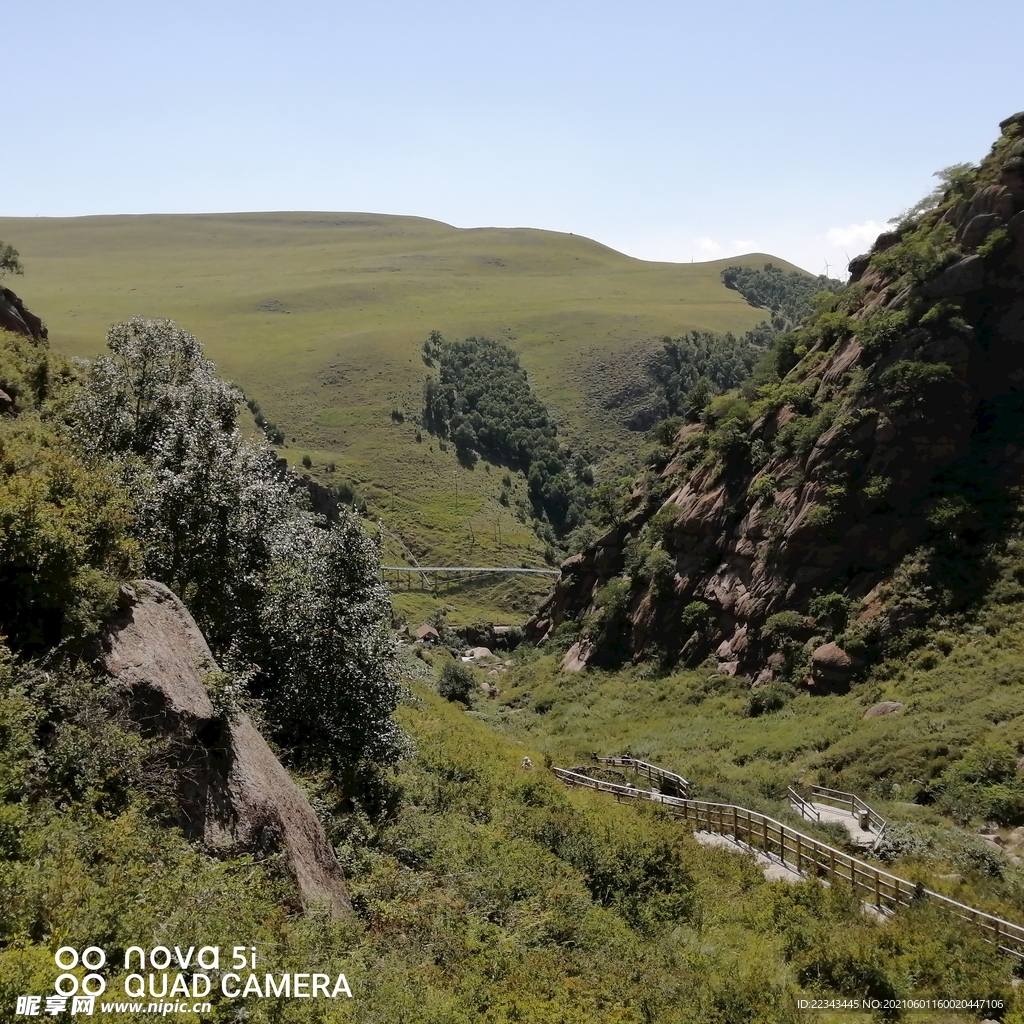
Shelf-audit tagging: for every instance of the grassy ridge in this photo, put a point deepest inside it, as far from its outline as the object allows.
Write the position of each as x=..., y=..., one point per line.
x=320, y=317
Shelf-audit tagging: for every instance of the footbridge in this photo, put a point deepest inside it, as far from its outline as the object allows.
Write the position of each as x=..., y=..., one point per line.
x=797, y=851
x=431, y=575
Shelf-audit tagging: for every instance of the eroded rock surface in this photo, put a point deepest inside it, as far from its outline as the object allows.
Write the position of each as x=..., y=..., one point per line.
x=16, y=318
x=888, y=425
x=886, y=707
x=234, y=795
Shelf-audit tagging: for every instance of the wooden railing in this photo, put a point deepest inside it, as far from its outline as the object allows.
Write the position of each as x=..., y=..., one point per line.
x=805, y=854
x=667, y=782
x=851, y=802
x=804, y=808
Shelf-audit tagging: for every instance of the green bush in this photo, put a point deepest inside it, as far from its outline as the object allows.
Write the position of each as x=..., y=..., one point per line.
x=65, y=522
x=455, y=682
x=923, y=251
x=879, y=332
x=798, y=394
x=766, y=699
x=785, y=624
x=983, y=784
x=801, y=433
x=762, y=486
x=609, y=631
x=659, y=568
x=909, y=378
x=831, y=611
x=694, y=617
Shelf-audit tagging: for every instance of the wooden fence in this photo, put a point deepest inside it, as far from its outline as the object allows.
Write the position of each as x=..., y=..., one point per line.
x=803, y=807
x=803, y=853
x=852, y=803
x=667, y=782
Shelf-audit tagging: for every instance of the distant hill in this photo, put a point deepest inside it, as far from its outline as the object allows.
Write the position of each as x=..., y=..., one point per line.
x=320, y=318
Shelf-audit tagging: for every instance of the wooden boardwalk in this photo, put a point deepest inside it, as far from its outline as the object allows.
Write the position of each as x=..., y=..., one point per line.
x=797, y=851
x=864, y=825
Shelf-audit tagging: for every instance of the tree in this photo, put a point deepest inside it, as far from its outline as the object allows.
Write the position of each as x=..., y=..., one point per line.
x=455, y=682
x=9, y=261
x=283, y=598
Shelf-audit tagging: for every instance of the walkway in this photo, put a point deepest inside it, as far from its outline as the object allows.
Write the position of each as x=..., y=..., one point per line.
x=771, y=867
x=864, y=825
x=801, y=853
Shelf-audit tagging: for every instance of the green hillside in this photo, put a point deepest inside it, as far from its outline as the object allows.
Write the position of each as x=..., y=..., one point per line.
x=320, y=317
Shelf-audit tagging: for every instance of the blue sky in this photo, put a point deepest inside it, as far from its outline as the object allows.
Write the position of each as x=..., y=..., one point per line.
x=666, y=130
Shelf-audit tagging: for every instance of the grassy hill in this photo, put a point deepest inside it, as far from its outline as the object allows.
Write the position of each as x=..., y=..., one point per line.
x=320, y=318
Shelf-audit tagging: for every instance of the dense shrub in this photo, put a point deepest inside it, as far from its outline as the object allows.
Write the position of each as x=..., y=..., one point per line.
x=455, y=681
x=878, y=333
x=282, y=598
x=65, y=523
x=787, y=293
x=921, y=253
x=766, y=699
x=695, y=367
x=609, y=633
x=983, y=784
x=912, y=383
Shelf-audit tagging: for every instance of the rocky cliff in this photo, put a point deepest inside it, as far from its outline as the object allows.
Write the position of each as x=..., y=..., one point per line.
x=16, y=318
x=798, y=509
x=233, y=794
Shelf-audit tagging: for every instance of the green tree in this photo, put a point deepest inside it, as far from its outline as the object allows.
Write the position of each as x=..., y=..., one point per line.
x=282, y=597
x=455, y=682
x=482, y=401
x=10, y=262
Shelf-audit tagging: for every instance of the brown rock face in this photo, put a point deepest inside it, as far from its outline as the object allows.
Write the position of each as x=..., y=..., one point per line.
x=896, y=422
x=233, y=793
x=16, y=318
x=831, y=666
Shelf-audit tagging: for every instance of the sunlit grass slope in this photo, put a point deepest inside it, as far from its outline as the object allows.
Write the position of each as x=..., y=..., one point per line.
x=958, y=692
x=320, y=317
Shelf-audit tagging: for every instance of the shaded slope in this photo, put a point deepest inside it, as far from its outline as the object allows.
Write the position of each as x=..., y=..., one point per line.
x=887, y=457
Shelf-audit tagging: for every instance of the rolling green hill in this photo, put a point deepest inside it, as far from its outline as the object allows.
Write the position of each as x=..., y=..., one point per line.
x=320, y=317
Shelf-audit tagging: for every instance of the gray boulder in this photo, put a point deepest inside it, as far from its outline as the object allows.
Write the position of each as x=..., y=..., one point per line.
x=831, y=666
x=887, y=707
x=233, y=794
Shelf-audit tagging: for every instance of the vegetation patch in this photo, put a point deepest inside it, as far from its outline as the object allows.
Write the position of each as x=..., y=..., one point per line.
x=482, y=401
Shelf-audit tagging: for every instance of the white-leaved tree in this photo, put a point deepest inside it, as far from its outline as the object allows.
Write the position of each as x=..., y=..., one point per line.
x=281, y=594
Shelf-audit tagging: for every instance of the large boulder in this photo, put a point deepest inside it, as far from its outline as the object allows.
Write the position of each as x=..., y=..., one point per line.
x=575, y=659
x=16, y=318
x=831, y=667
x=886, y=707
x=233, y=794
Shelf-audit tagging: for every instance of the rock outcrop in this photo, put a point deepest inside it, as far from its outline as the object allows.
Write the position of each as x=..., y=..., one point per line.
x=831, y=667
x=887, y=707
x=234, y=796
x=900, y=420
x=16, y=318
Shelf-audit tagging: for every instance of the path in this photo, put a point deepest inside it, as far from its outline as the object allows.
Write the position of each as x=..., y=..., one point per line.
x=863, y=824
x=772, y=868
x=796, y=851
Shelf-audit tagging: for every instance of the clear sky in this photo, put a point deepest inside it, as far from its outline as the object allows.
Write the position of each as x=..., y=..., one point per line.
x=668, y=130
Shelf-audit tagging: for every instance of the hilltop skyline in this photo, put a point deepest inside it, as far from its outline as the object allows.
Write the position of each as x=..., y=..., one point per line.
x=667, y=132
